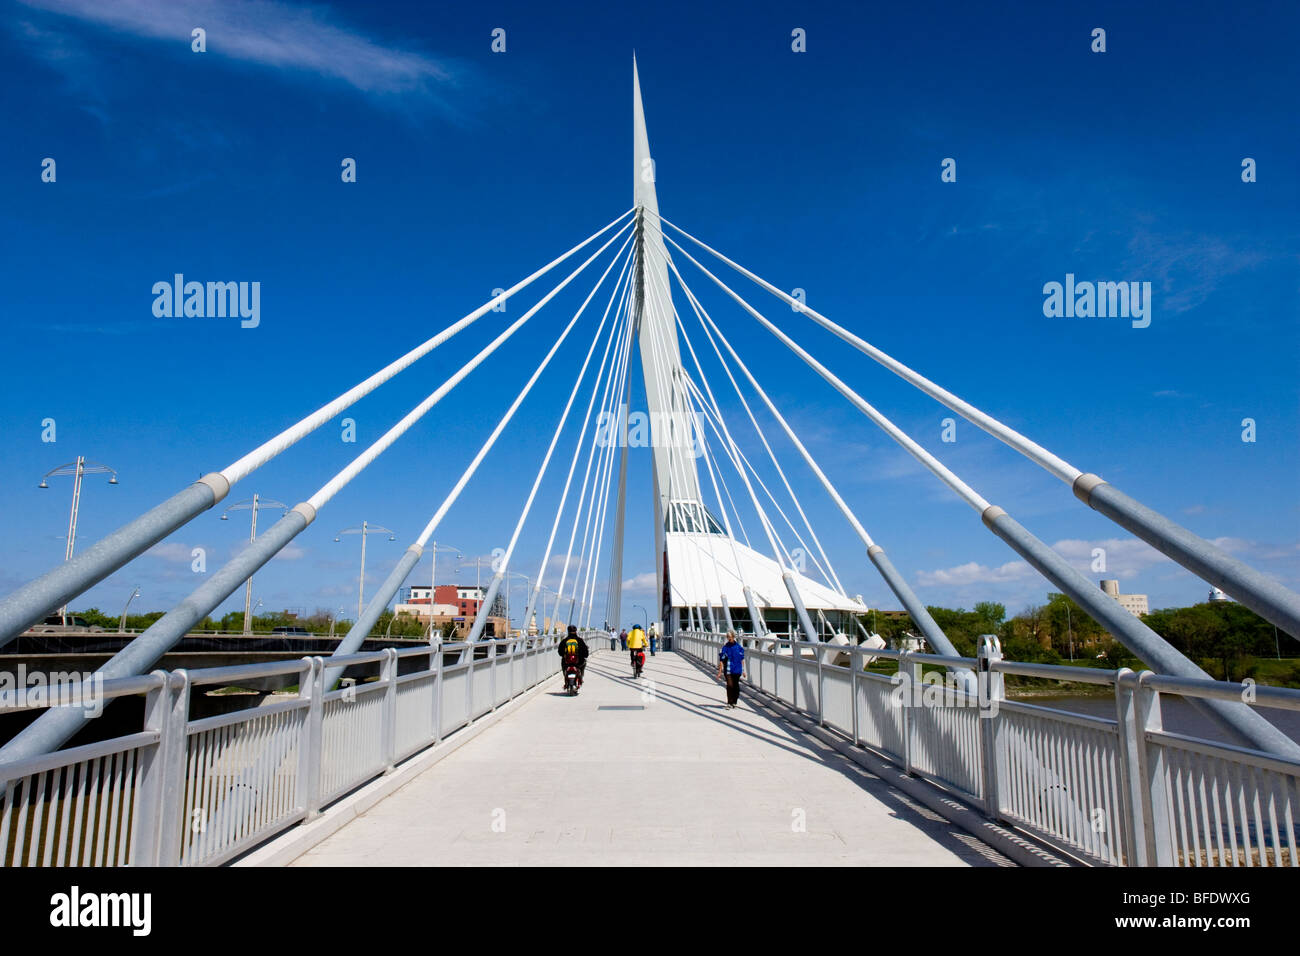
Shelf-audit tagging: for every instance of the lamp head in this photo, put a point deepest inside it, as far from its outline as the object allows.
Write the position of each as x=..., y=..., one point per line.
x=113, y=480
x=225, y=517
x=43, y=484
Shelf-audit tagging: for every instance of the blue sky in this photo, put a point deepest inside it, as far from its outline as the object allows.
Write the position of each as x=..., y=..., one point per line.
x=818, y=170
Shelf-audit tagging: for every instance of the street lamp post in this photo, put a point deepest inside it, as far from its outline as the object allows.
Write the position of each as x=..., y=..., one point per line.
x=121, y=627
x=433, y=578
x=77, y=470
x=645, y=616
x=478, y=586
x=251, y=504
x=523, y=627
x=545, y=590
x=364, y=530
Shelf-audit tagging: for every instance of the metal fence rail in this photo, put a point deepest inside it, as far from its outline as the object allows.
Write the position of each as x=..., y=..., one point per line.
x=1120, y=791
x=201, y=792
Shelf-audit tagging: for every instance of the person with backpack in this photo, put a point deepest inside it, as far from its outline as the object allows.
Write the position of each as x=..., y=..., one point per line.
x=573, y=647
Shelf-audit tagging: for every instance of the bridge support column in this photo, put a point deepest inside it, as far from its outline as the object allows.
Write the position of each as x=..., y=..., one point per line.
x=359, y=631
x=920, y=616
x=755, y=620
x=31, y=602
x=485, y=608
x=726, y=610
x=1265, y=597
x=1136, y=636
x=53, y=728
x=805, y=622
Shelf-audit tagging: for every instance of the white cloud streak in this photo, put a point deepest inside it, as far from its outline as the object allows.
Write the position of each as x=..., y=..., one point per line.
x=267, y=33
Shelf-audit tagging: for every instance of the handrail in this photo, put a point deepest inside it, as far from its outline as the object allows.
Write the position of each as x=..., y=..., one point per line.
x=251, y=773
x=1113, y=791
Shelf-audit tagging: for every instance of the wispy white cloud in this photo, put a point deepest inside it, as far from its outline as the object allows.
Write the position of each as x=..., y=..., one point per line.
x=1126, y=559
x=972, y=572
x=172, y=551
x=1186, y=269
x=267, y=33
x=641, y=584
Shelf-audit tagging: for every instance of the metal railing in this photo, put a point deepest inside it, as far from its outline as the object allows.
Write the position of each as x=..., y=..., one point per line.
x=1120, y=791
x=199, y=792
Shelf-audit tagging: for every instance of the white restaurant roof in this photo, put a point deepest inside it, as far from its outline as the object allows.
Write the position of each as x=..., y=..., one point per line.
x=704, y=567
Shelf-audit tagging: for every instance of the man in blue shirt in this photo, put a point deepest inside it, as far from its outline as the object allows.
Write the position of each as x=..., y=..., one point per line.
x=731, y=664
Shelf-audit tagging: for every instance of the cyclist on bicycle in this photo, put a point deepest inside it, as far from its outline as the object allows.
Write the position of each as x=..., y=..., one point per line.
x=636, y=644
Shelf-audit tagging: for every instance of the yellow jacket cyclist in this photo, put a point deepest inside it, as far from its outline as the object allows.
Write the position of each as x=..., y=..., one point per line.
x=636, y=641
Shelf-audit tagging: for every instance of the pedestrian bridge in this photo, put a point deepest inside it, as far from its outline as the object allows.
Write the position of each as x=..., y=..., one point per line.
x=461, y=751
x=471, y=754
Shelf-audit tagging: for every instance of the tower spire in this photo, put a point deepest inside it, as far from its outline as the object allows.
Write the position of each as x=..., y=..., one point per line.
x=675, y=477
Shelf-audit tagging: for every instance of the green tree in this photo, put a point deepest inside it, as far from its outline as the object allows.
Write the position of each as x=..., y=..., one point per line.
x=1069, y=627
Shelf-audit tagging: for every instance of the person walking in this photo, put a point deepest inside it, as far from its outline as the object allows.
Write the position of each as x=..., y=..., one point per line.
x=622, y=640
x=654, y=639
x=731, y=665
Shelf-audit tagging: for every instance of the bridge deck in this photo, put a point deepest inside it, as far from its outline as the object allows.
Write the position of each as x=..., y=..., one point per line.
x=617, y=776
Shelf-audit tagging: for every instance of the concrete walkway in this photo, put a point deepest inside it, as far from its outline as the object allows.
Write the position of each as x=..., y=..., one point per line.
x=659, y=773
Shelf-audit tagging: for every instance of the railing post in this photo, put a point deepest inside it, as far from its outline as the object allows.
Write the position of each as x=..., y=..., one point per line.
x=855, y=664
x=821, y=687
x=1129, y=776
x=991, y=689
x=311, y=737
x=795, y=654
x=1151, y=767
x=390, y=710
x=149, y=808
x=492, y=675
x=171, y=800
x=909, y=673
x=435, y=664
x=469, y=688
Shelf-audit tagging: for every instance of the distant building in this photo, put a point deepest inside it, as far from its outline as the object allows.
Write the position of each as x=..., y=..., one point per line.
x=1218, y=595
x=455, y=603
x=1135, y=604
